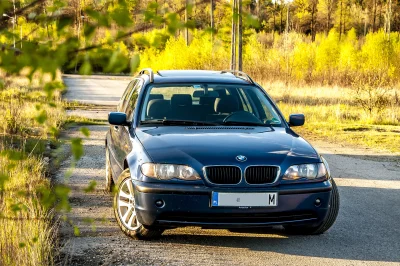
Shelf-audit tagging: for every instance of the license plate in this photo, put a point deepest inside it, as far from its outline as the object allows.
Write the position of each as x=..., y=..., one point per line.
x=219, y=199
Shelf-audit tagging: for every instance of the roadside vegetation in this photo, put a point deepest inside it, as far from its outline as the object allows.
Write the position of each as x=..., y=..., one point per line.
x=28, y=230
x=333, y=114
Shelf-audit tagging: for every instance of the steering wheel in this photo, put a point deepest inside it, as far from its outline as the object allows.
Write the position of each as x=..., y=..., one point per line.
x=242, y=116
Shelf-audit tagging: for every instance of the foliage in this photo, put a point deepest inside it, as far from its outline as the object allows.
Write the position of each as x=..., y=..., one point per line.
x=372, y=92
x=293, y=58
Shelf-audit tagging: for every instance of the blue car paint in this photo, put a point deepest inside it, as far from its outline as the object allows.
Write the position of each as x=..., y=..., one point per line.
x=278, y=146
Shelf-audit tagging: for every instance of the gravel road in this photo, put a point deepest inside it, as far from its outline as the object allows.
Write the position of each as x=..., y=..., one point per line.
x=367, y=231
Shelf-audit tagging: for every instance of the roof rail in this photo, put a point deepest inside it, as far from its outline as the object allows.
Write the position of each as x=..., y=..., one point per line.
x=239, y=74
x=150, y=71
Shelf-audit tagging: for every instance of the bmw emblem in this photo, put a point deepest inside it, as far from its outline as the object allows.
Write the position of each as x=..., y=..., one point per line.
x=241, y=158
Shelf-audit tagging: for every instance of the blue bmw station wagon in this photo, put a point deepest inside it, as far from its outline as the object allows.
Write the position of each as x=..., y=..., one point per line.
x=211, y=149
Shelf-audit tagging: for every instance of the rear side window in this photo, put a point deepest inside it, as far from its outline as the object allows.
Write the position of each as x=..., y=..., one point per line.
x=124, y=99
x=132, y=100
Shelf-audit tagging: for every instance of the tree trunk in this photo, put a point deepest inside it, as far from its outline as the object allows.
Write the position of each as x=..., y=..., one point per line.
x=374, y=18
x=340, y=22
x=380, y=15
x=281, y=26
x=313, y=11
x=212, y=20
x=274, y=13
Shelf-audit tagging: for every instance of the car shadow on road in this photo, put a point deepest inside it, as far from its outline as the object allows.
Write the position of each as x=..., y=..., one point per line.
x=363, y=231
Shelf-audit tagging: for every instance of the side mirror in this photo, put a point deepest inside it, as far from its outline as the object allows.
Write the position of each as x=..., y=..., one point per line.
x=296, y=120
x=117, y=119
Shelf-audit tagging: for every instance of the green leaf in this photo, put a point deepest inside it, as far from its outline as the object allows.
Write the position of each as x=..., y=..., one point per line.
x=55, y=132
x=122, y=17
x=85, y=131
x=52, y=86
x=42, y=117
x=91, y=187
x=62, y=195
x=3, y=179
x=86, y=68
x=77, y=148
x=63, y=22
x=77, y=232
x=135, y=62
x=89, y=30
x=251, y=21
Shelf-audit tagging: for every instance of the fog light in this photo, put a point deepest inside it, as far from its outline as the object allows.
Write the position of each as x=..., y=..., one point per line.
x=159, y=203
x=317, y=202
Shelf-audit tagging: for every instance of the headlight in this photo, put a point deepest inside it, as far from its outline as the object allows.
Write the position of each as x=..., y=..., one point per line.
x=307, y=171
x=169, y=171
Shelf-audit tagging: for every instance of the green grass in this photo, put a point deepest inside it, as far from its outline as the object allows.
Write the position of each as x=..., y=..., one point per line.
x=73, y=120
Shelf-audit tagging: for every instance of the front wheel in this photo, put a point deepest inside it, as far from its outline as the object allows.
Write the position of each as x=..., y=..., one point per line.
x=125, y=211
x=328, y=221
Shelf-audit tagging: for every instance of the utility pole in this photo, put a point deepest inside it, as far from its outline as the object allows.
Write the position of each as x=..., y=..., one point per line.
x=233, y=40
x=240, y=36
x=186, y=20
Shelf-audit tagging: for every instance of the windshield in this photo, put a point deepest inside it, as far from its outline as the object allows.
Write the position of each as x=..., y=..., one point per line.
x=208, y=104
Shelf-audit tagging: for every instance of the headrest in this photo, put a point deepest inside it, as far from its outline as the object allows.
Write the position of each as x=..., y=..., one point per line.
x=207, y=101
x=198, y=93
x=181, y=100
x=228, y=104
x=221, y=91
x=156, y=96
x=158, y=109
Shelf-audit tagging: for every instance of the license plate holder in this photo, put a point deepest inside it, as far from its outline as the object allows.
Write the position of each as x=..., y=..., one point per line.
x=258, y=199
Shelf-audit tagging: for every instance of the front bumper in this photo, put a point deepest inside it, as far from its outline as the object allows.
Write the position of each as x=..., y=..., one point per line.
x=190, y=205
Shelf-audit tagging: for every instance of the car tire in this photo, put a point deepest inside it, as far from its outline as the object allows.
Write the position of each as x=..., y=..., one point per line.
x=124, y=210
x=328, y=221
x=109, y=179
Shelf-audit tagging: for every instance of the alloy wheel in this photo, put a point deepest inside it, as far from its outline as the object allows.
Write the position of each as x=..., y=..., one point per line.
x=126, y=205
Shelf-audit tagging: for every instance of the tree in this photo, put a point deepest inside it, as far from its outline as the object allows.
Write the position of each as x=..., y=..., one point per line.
x=326, y=9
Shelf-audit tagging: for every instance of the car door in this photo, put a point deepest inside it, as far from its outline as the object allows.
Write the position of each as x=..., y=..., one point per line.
x=123, y=143
x=115, y=136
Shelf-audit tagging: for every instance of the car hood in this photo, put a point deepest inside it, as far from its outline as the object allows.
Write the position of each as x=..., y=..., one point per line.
x=202, y=146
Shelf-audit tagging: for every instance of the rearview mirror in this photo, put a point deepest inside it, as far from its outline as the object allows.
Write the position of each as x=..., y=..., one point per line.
x=296, y=120
x=117, y=119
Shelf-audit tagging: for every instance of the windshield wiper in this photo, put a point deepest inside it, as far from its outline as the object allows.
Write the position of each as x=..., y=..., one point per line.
x=242, y=123
x=178, y=122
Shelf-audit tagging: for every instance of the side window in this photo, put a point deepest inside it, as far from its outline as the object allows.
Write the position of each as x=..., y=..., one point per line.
x=122, y=103
x=132, y=100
